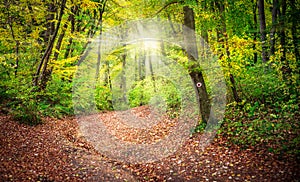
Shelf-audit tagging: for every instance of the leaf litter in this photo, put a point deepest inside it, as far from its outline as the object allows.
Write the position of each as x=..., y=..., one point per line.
x=56, y=151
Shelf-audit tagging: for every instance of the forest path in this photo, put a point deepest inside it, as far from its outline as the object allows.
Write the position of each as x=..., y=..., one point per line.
x=55, y=151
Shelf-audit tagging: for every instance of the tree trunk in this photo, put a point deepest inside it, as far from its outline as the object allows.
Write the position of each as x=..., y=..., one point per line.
x=60, y=39
x=123, y=79
x=107, y=82
x=295, y=25
x=263, y=38
x=99, y=50
x=123, y=85
x=174, y=32
x=282, y=31
x=72, y=19
x=92, y=30
x=204, y=39
x=192, y=53
x=17, y=42
x=50, y=25
x=100, y=21
x=273, y=30
x=149, y=56
x=142, y=73
x=255, y=31
x=223, y=40
x=16, y=48
x=45, y=59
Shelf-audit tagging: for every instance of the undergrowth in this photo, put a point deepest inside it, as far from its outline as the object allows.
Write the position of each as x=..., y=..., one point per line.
x=273, y=127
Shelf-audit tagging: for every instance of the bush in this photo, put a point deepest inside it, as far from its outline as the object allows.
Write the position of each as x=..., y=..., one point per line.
x=27, y=105
x=56, y=100
x=255, y=125
x=159, y=93
x=27, y=112
x=103, y=98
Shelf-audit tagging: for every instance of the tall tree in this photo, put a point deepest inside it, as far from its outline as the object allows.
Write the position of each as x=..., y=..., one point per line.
x=295, y=28
x=255, y=30
x=192, y=53
x=74, y=11
x=223, y=40
x=10, y=19
x=282, y=16
x=44, y=75
x=100, y=22
x=263, y=35
x=274, y=24
x=50, y=23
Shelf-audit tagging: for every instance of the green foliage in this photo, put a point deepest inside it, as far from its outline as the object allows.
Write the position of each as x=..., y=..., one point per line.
x=18, y=99
x=258, y=125
x=28, y=106
x=199, y=128
x=159, y=92
x=27, y=111
x=57, y=98
x=140, y=94
x=103, y=98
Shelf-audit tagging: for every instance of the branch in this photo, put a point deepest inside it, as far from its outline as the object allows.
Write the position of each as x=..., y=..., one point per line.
x=118, y=4
x=167, y=5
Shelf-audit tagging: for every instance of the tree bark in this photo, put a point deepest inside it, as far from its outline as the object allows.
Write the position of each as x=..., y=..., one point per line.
x=45, y=59
x=69, y=49
x=60, y=39
x=17, y=42
x=50, y=25
x=142, y=72
x=99, y=51
x=151, y=69
x=10, y=20
x=273, y=30
x=192, y=53
x=100, y=21
x=295, y=25
x=107, y=82
x=255, y=31
x=223, y=40
x=123, y=78
x=204, y=38
x=263, y=37
x=283, y=36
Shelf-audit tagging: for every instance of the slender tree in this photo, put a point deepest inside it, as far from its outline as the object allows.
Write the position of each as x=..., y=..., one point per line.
x=192, y=53
x=223, y=40
x=10, y=20
x=69, y=50
x=274, y=24
x=263, y=35
x=294, y=29
x=100, y=22
x=43, y=76
x=282, y=29
x=142, y=71
x=50, y=23
x=255, y=30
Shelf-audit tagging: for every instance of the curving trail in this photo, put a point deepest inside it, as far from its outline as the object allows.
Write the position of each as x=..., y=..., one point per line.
x=55, y=151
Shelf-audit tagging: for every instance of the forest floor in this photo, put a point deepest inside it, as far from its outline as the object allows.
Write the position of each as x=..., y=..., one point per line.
x=55, y=151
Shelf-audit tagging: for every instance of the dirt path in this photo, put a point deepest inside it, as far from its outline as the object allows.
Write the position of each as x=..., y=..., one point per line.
x=55, y=151
x=51, y=152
